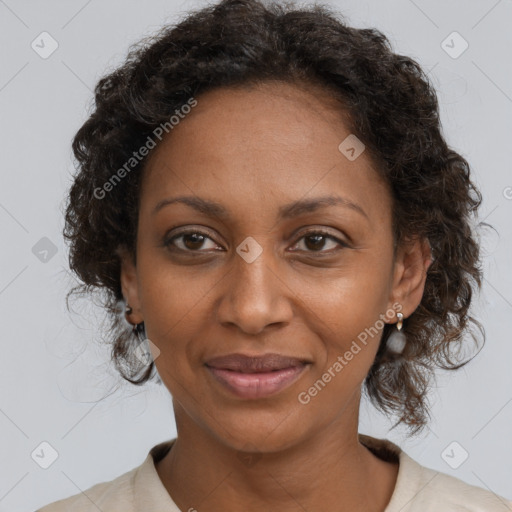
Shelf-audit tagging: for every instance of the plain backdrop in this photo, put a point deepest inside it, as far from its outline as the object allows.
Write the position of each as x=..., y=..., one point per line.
x=56, y=383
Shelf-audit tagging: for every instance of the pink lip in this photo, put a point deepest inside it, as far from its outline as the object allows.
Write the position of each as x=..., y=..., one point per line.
x=257, y=384
x=254, y=363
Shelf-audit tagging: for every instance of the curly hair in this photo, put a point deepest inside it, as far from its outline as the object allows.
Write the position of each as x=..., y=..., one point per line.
x=391, y=107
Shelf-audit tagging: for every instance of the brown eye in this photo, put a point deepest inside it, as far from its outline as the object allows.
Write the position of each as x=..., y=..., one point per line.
x=189, y=241
x=193, y=240
x=315, y=241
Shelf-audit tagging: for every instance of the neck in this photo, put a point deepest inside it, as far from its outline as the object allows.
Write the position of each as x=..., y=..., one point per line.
x=331, y=470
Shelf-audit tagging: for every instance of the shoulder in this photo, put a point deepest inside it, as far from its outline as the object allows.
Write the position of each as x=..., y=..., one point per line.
x=421, y=489
x=136, y=490
x=431, y=490
x=115, y=495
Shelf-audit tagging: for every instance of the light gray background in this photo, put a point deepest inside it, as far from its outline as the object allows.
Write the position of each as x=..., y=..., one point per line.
x=54, y=370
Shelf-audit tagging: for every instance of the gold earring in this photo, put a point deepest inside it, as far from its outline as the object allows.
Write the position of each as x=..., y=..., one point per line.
x=399, y=322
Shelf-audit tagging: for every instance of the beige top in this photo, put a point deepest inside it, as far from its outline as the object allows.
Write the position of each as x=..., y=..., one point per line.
x=418, y=489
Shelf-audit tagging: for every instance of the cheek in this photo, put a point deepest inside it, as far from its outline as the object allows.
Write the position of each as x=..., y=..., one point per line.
x=348, y=314
x=173, y=298
x=174, y=312
x=350, y=334
x=354, y=315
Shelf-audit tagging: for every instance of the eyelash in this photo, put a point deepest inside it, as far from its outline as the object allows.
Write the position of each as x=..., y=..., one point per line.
x=325, y=234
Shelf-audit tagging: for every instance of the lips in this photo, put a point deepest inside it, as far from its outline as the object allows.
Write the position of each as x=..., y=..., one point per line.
x=259, y=364
x=252, y=377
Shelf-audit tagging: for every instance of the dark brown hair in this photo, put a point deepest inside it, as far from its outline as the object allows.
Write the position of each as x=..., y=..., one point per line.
x=392, y=108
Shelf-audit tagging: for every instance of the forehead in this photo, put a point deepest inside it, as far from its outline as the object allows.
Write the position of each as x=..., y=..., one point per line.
x=272, y=141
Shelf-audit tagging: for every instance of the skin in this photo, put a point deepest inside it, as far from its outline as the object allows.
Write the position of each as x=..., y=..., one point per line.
x=255, y=150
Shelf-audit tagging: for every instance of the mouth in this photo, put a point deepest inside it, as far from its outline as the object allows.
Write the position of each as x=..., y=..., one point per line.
x=252, y=377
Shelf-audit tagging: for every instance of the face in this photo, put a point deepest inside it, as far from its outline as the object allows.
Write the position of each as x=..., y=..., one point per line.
x=268, y=269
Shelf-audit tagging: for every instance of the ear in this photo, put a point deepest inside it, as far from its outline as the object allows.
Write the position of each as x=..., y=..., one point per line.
x=129, y=284
x=413, y=258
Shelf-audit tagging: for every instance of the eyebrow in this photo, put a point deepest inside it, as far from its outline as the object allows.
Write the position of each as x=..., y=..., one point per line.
x=213, y=209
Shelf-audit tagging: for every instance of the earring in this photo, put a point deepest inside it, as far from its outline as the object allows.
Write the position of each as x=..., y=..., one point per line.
x=397, y=340
x=398, y=323
x=128, y=311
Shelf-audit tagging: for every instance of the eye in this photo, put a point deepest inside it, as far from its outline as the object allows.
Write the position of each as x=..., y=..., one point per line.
x=192, y=240
x=315, y=240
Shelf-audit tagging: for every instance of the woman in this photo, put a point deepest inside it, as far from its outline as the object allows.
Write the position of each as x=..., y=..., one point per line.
x=267, y=193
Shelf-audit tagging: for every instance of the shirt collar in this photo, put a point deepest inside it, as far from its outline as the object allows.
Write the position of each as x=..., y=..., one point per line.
x=150, y=493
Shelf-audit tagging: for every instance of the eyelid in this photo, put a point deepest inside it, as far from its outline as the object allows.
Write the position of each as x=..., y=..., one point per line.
x=313, y=229
x=190, y=229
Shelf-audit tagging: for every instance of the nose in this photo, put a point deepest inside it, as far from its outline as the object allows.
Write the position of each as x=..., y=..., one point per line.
x=255, y=295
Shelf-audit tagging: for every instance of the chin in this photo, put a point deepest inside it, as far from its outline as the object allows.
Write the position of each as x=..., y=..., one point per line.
x=261, y=431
